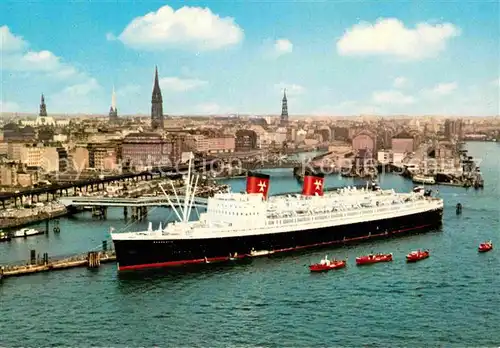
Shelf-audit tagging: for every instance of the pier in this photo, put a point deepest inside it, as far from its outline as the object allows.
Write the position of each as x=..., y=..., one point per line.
x=92, y=259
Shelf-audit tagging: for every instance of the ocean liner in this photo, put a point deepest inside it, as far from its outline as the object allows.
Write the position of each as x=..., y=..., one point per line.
x=252, y=223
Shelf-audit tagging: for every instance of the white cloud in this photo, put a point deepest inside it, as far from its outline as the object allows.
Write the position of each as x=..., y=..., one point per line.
x=283, y=46
x=496, y=82
x=291, y=88
x=445, y=88
x=177, y=84
x=37, y=61
x=392, y=97
x=400, y=82
x=8, y=106
x=128, y=90
x=390, y=37
x=51, y=70
x=10, y=42
x=440, y=89
x=79, y=97
x=187, y=27
x=78, y=90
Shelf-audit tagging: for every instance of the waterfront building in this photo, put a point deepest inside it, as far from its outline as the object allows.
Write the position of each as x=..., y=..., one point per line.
x=366, y=141
x=453, y=129
x=175, y=145
x=8, y=173
x=403, y=143
x=103, y=156
x=145, y=150
x=80, y=158
x=12, y=132
x=211, y=143
x=341, y=133
x=245, y=140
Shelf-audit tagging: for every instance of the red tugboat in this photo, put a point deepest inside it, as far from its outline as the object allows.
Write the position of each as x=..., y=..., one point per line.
x=327, y=265
x=418, y=255
x=373, y=258
x=486, y=246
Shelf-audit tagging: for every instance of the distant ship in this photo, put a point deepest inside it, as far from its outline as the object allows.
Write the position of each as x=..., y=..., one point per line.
x=26, y=232
x=252, y=224
x=423, y=179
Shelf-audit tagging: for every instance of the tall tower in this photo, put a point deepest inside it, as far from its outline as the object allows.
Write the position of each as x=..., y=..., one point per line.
x=113, y=111
x=156, y=105
x=284, y=111
x=43, y=107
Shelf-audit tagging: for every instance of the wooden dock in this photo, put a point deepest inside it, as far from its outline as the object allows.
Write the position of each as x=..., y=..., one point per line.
x=92, y=259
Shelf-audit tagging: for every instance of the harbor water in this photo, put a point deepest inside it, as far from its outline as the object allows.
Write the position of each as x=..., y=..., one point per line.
x=450, y=299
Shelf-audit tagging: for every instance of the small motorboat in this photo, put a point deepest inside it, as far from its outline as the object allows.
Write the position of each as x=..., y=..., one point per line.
x=233, y=257
x=373, y=258
x=26, y=232
x=4, y=237
x=327, y=265
x=418, y=255
x=486, y=246
x=257, y=253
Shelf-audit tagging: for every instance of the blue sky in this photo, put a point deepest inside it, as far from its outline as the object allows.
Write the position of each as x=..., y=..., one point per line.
x=334, y=57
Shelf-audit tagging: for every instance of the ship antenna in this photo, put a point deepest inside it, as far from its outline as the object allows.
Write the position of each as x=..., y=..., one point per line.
x=171, y=203
x=188, y=190
x=191, y=199
x=175, y=193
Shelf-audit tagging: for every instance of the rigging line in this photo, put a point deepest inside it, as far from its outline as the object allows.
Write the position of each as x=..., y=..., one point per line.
x=132, y=221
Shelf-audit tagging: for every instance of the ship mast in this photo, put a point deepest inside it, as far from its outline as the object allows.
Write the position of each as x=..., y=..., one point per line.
x=189, y=195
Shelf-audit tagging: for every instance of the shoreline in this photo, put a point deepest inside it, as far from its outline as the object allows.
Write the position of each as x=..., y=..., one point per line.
x=32, y=220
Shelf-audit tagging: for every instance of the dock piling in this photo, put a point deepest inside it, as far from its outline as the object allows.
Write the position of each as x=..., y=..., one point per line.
x=33, y=257
x=94, y=259
x=56, y=227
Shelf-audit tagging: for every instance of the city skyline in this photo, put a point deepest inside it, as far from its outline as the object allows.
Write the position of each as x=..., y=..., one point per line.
x=343, y=59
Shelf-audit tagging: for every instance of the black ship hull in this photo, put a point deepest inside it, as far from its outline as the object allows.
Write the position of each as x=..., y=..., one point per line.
x=141, y=254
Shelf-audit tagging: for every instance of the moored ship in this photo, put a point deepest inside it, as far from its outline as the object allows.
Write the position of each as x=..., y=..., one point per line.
x=252, y=224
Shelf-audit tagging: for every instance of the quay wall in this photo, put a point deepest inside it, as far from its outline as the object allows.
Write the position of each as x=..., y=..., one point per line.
x=7, y=223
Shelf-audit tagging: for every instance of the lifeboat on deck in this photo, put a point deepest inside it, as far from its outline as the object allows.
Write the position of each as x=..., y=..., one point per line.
x=373, y=258
x=327, y=265
x=418, y=255
x=486, y=246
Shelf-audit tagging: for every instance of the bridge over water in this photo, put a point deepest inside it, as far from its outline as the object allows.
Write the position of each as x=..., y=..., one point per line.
x=129, y=202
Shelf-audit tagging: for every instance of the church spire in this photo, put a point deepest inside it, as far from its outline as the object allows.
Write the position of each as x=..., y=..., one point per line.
x=43, y=107
x=156, y=104
x=113, y=111
x=156, y=89
x=113, y=99
x=284, y=111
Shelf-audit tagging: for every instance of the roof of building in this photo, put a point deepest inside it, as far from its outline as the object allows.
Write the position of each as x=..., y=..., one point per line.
x=403, y=135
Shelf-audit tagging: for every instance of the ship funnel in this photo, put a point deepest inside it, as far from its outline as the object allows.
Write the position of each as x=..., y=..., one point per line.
x=258, y=183
x=313, y=184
